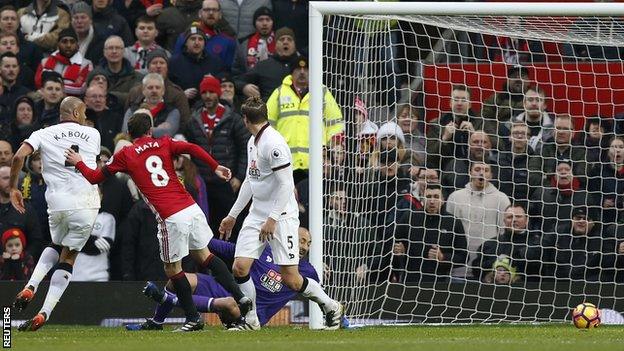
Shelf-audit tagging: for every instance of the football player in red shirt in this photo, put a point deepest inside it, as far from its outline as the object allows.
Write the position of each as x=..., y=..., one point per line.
x=182, y=225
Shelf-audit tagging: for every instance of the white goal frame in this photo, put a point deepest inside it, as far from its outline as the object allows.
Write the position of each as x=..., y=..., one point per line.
x=317, y=9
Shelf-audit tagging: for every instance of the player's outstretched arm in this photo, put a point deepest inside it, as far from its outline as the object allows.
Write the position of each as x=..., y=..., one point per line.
x=244, y=196
x=17, y=163
x=94, y=176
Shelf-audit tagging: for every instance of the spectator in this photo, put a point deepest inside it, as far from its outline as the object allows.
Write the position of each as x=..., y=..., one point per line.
x=539, y=121
x=175, y=19
x=158, y=62
x=11, y=87
x=292, y=120
x=192, y=181
x=220, y=131
x=166, y=118
x=15, y=263
x=581, y=250
x=364, y=132
x=29, y=54
x=258, y=45
x=267, y=75
x=69, y=63
x=189, y=67
x=228, y=93
x=449, y=135
x=120, y=73
x=607, y=181
x=92, y=261
x=480, y=207
x=413, y=129
x=52, y=92
x=146, y=34
x=107, y=22
x=218, y=42
x=140, y=258
x=345, y=226
x=107, y=120
x=595, y=138
x=293, y=14
x=24, y=121
x=41, y=23
x=243, y=15
x=456, y=172
x=425, y=177
x=530, y=253
x=435, y=241
x=500, y=107
x=562, y=149
x=90, y=43
x=33, y=188
x=98, y=77
x=10, y=218
x=385, y=188
x=519, y=170
x=6, y=153
x=390, y=136
x=9, y=43
x=116, y=200
x=132, y=10
x=553, y=203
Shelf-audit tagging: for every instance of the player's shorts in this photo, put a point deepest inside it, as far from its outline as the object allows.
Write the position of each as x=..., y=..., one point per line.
x=208, y=286
x=72, y=228
x=183, y=231
x=285, y=242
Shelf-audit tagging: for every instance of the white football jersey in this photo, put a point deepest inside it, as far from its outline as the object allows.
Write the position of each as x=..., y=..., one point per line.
x=270, y=154
x=67, y=189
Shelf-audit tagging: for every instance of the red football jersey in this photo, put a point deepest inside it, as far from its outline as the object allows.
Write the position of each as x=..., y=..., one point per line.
x=149, y=161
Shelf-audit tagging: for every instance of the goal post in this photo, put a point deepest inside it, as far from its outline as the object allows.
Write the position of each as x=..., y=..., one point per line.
x=478, y=20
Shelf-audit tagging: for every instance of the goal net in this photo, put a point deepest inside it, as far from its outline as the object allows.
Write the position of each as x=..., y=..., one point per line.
x=480, y=174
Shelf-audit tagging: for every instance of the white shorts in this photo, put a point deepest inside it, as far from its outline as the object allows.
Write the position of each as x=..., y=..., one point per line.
x=183, y=231
x=284, y=245
x=72, y=228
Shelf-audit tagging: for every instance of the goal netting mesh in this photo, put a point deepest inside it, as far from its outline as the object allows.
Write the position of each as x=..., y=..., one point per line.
x=484, y=112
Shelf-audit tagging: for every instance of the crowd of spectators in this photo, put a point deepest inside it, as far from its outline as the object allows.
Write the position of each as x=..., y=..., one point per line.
x=506, y=194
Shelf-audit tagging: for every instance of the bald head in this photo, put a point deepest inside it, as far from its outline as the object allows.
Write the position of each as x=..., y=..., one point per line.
x=72, y=109
x=6, y=153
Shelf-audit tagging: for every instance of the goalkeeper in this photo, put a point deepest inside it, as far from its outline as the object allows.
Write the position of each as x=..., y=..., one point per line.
x=209, y=296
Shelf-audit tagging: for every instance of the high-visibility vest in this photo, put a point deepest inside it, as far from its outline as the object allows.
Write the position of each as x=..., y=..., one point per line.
x=289, y=115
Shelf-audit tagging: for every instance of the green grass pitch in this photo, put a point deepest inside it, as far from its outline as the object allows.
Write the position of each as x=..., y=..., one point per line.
x=463, y=338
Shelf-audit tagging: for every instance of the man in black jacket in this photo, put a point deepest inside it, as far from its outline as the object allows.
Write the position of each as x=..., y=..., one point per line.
x=267, y=75
x=221, y=132
x=530, y=253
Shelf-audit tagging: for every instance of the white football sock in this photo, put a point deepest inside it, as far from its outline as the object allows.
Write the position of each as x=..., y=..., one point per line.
x=315, y=292
x=58, y=283
x=49, y=258
x=249, y=289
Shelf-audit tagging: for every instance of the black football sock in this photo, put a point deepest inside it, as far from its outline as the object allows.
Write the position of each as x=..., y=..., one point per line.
x=185, y=297
x=223, y=276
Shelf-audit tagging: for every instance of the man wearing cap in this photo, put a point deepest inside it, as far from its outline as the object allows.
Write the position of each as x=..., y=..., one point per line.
x=90, y=43
x=259, y=45
x=187, y=68
x=582, y=251
x=529, y=252
x=221, y=132
x=158, y=62
x=267, y=75
x=242, y=15
x=218, y=42
x=68, y=62
x=288, y=109
x=501, y=106
x=228, y=93
x=42, y=21
x=146, y=34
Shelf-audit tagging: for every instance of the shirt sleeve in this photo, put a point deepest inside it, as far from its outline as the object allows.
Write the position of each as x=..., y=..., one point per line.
x=34, y=140
x=117, y=163
x=278, y=155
